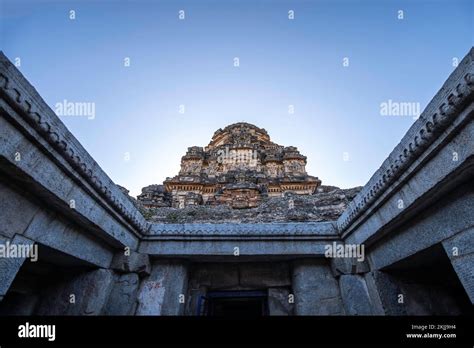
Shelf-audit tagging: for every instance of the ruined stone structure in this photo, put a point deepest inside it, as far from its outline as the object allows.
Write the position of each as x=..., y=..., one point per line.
x=154, y=196
x=325, y=205
x=240, y=167
x=414, y=218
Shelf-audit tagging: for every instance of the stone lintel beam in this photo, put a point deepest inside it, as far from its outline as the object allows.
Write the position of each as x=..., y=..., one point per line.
x=452, y=216
x=233, y=250
x=231, y=241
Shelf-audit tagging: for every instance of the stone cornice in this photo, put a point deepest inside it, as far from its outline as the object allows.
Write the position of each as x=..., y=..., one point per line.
x=18, y=92
x=309, y=230
x=455, y=94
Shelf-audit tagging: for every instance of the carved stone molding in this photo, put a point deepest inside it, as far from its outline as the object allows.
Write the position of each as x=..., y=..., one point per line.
x=311, y=229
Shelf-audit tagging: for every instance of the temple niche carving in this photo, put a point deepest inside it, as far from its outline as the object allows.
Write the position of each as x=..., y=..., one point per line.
x=240, y=167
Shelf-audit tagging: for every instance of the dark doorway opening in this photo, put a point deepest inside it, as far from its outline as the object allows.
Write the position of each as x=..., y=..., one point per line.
x=430, y=284
x=235, y=304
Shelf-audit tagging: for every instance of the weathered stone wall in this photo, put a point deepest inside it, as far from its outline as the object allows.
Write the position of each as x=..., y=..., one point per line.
x=326, y=205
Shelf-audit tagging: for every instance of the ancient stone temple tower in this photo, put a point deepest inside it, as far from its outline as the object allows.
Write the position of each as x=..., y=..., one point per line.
x=240, y=167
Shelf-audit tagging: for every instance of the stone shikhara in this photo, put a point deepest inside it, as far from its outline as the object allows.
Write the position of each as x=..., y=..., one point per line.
x=240, y=168
x=182, y=261
x=242, y=176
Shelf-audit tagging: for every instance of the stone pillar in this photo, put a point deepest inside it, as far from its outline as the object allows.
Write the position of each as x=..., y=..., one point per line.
x=130, y=266
x=123, y=296
x=460, y=250
x=355, y=295
x=164, y=291
x=389, y=292
x=9, y=266
x=316, y=291
x=374, y=296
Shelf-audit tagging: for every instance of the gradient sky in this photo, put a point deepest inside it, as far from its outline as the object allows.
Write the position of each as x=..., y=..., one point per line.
x=282, y=62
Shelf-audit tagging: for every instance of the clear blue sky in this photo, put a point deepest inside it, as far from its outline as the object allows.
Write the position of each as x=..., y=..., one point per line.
x=282, y=62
